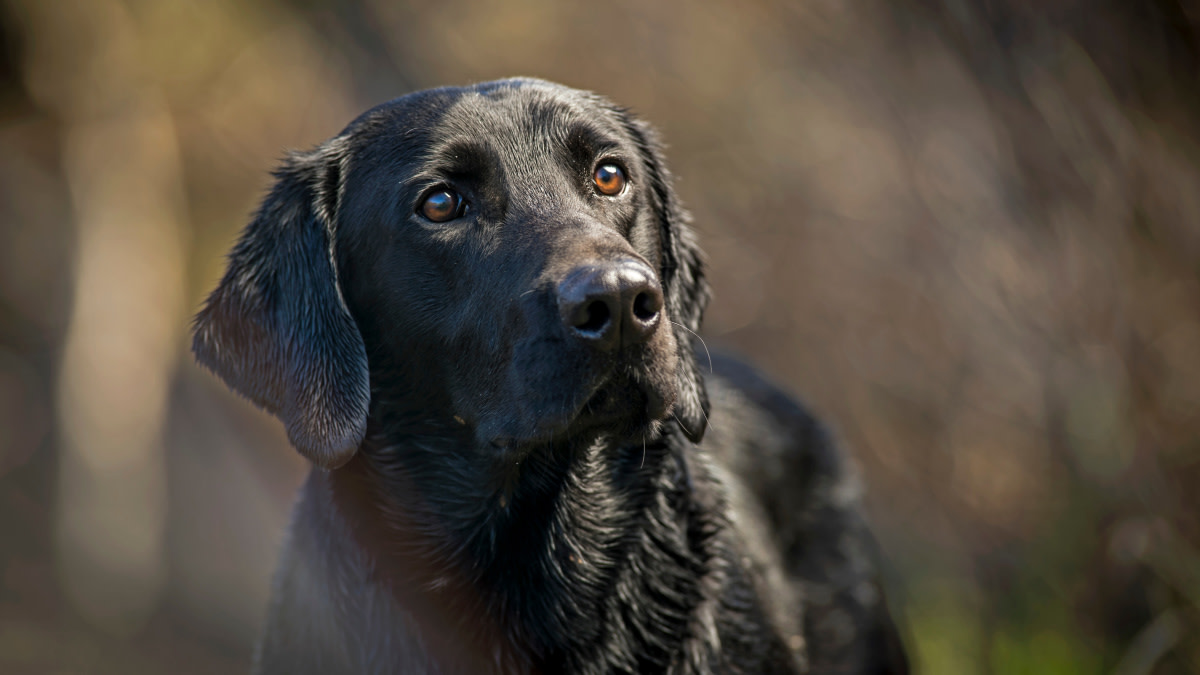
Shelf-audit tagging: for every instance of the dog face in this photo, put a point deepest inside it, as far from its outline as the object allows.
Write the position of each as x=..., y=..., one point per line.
x=509, y=259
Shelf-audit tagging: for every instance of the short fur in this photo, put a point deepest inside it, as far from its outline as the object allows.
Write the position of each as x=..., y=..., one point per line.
x=492, y=493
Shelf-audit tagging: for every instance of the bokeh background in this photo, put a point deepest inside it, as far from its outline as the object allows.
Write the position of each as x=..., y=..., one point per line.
x=967, y=232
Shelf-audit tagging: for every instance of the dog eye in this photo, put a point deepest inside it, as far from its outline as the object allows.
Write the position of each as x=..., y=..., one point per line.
x=442, y=205
x=609, y=179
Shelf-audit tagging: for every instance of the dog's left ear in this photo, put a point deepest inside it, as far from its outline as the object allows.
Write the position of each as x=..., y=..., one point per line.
x=686, y=290
x=277, y=330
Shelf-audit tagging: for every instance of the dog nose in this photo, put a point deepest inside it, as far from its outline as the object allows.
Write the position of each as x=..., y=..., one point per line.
x=611, y=304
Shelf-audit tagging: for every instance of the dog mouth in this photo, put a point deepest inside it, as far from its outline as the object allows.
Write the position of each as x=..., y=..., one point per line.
x=623, y=403
x=558, y=393
x=626, y=403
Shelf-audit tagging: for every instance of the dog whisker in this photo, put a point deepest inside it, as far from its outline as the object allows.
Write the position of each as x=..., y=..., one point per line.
x=702, y=342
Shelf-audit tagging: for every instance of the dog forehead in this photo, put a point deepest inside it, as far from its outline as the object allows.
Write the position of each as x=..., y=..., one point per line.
x=518, y=116
x=528, y=118
x=526, y=135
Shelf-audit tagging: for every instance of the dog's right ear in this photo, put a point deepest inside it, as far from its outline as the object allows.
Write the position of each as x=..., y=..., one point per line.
x=277, y=330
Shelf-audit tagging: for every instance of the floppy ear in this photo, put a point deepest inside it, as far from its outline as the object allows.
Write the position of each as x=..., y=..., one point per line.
x=277, y=330
x=686, y=290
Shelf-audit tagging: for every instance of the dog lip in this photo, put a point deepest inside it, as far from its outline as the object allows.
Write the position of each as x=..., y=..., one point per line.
x=603, y=405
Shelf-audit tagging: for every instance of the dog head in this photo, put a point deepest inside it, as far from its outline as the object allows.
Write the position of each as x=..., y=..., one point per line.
x=509, y=258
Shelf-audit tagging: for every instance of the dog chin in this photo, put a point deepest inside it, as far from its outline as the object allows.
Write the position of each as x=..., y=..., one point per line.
x=624, y=407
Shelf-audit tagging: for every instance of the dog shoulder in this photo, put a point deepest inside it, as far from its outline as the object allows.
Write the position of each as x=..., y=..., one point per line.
x=795, y=497
x=772, y=442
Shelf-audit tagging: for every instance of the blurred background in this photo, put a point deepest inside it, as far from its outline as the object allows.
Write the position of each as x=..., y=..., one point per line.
x=967, y=232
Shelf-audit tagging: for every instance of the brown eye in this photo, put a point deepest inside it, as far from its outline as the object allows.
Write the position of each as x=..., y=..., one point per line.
x=609, y=179
x=441, y=206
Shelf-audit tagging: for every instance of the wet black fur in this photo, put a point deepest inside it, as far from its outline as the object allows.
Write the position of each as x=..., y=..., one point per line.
x=490, y=494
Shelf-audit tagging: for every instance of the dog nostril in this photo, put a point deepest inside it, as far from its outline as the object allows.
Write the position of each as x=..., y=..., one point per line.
x=646, y=306
x=595, y=317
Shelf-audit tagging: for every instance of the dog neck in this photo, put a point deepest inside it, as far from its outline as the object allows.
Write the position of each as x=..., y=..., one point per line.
x=589, y=552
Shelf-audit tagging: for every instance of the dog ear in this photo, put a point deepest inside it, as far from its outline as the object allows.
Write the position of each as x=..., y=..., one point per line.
x=277, y=330
x=686, y=290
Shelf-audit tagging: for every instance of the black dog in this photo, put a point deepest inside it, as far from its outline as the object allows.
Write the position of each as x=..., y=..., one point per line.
x=473, y=310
